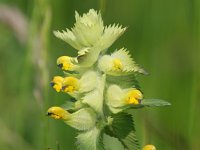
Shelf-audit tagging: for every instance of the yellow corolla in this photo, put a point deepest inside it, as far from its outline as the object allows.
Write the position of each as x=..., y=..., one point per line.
x=56, y=83
x=66, y=63
x=83, y=119
x=86, y=83
x=117, y=98
x=133, y=97
x=70, y=84
x=119, y=63
x=149, y=147
x=57, y=113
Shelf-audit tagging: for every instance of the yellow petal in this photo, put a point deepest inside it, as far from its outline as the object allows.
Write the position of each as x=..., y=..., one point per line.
x=58, y=113
x=133, y=97
x=57, y=83
x=117, y=65
x=149, y=147
x=64, y=62
x=70, y=84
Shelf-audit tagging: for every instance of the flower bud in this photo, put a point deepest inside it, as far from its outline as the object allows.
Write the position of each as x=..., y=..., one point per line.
x=149, y=147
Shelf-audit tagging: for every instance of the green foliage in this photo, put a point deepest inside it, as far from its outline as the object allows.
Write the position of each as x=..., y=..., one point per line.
x=122, y=128
x=154, y=102
x=125, y=81
x=130, y=142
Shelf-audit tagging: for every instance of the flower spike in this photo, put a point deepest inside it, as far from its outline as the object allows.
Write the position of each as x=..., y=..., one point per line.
x=102, y=86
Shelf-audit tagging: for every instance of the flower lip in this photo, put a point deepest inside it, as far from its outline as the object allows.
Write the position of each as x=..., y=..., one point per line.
x=65, y=63
x=57, y=113
x=56, y=83
x=134, y=97
x=52, y=83
x=49, y=113
x=60, y=65
x=70, y=84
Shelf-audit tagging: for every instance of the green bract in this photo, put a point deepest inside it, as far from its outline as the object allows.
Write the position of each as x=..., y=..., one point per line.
x=89, y=36
x=102, y=86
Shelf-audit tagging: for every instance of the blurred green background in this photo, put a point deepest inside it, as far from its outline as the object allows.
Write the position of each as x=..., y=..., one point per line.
x=163, y=37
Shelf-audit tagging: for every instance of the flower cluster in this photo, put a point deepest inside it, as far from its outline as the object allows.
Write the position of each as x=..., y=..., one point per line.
x=103, y=86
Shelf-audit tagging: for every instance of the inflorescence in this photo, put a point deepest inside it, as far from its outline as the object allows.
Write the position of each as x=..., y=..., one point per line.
x=102, y=86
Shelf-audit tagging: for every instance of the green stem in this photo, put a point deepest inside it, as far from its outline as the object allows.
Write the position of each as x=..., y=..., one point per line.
x=102, y=6
x=58, y=146
x=194, y=99
x=38, y=47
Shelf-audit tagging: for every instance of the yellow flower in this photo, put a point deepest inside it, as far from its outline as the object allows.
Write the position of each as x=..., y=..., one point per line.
x=70, y=84
x=82, y=119
x=119, y=63
x=56, y=83
x=66, y=63
x=149, y=147
x=133, y=97
x=86, y=83
x=58, y=113
x=116, y=97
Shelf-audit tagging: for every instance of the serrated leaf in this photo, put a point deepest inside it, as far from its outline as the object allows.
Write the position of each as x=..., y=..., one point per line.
x=116, y=144
x=125, y=81
x=154, y=102
x=122, y=128
x=100, y=145
x=121, y=125
x=130, y=142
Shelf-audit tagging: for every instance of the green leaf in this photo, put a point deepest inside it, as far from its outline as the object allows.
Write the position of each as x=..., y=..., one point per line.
x=130, y=142
x=125, y=81
x=116, y=144
x=122, y=128
x=100, y=145
x=147, y=103
x=121, y=125
x=154, y=102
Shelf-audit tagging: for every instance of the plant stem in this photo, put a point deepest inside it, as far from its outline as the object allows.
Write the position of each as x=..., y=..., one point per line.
x=102, y=6
x=38, y=52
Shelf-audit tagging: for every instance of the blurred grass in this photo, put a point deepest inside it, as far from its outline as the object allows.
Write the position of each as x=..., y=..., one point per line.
x=163, y=36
